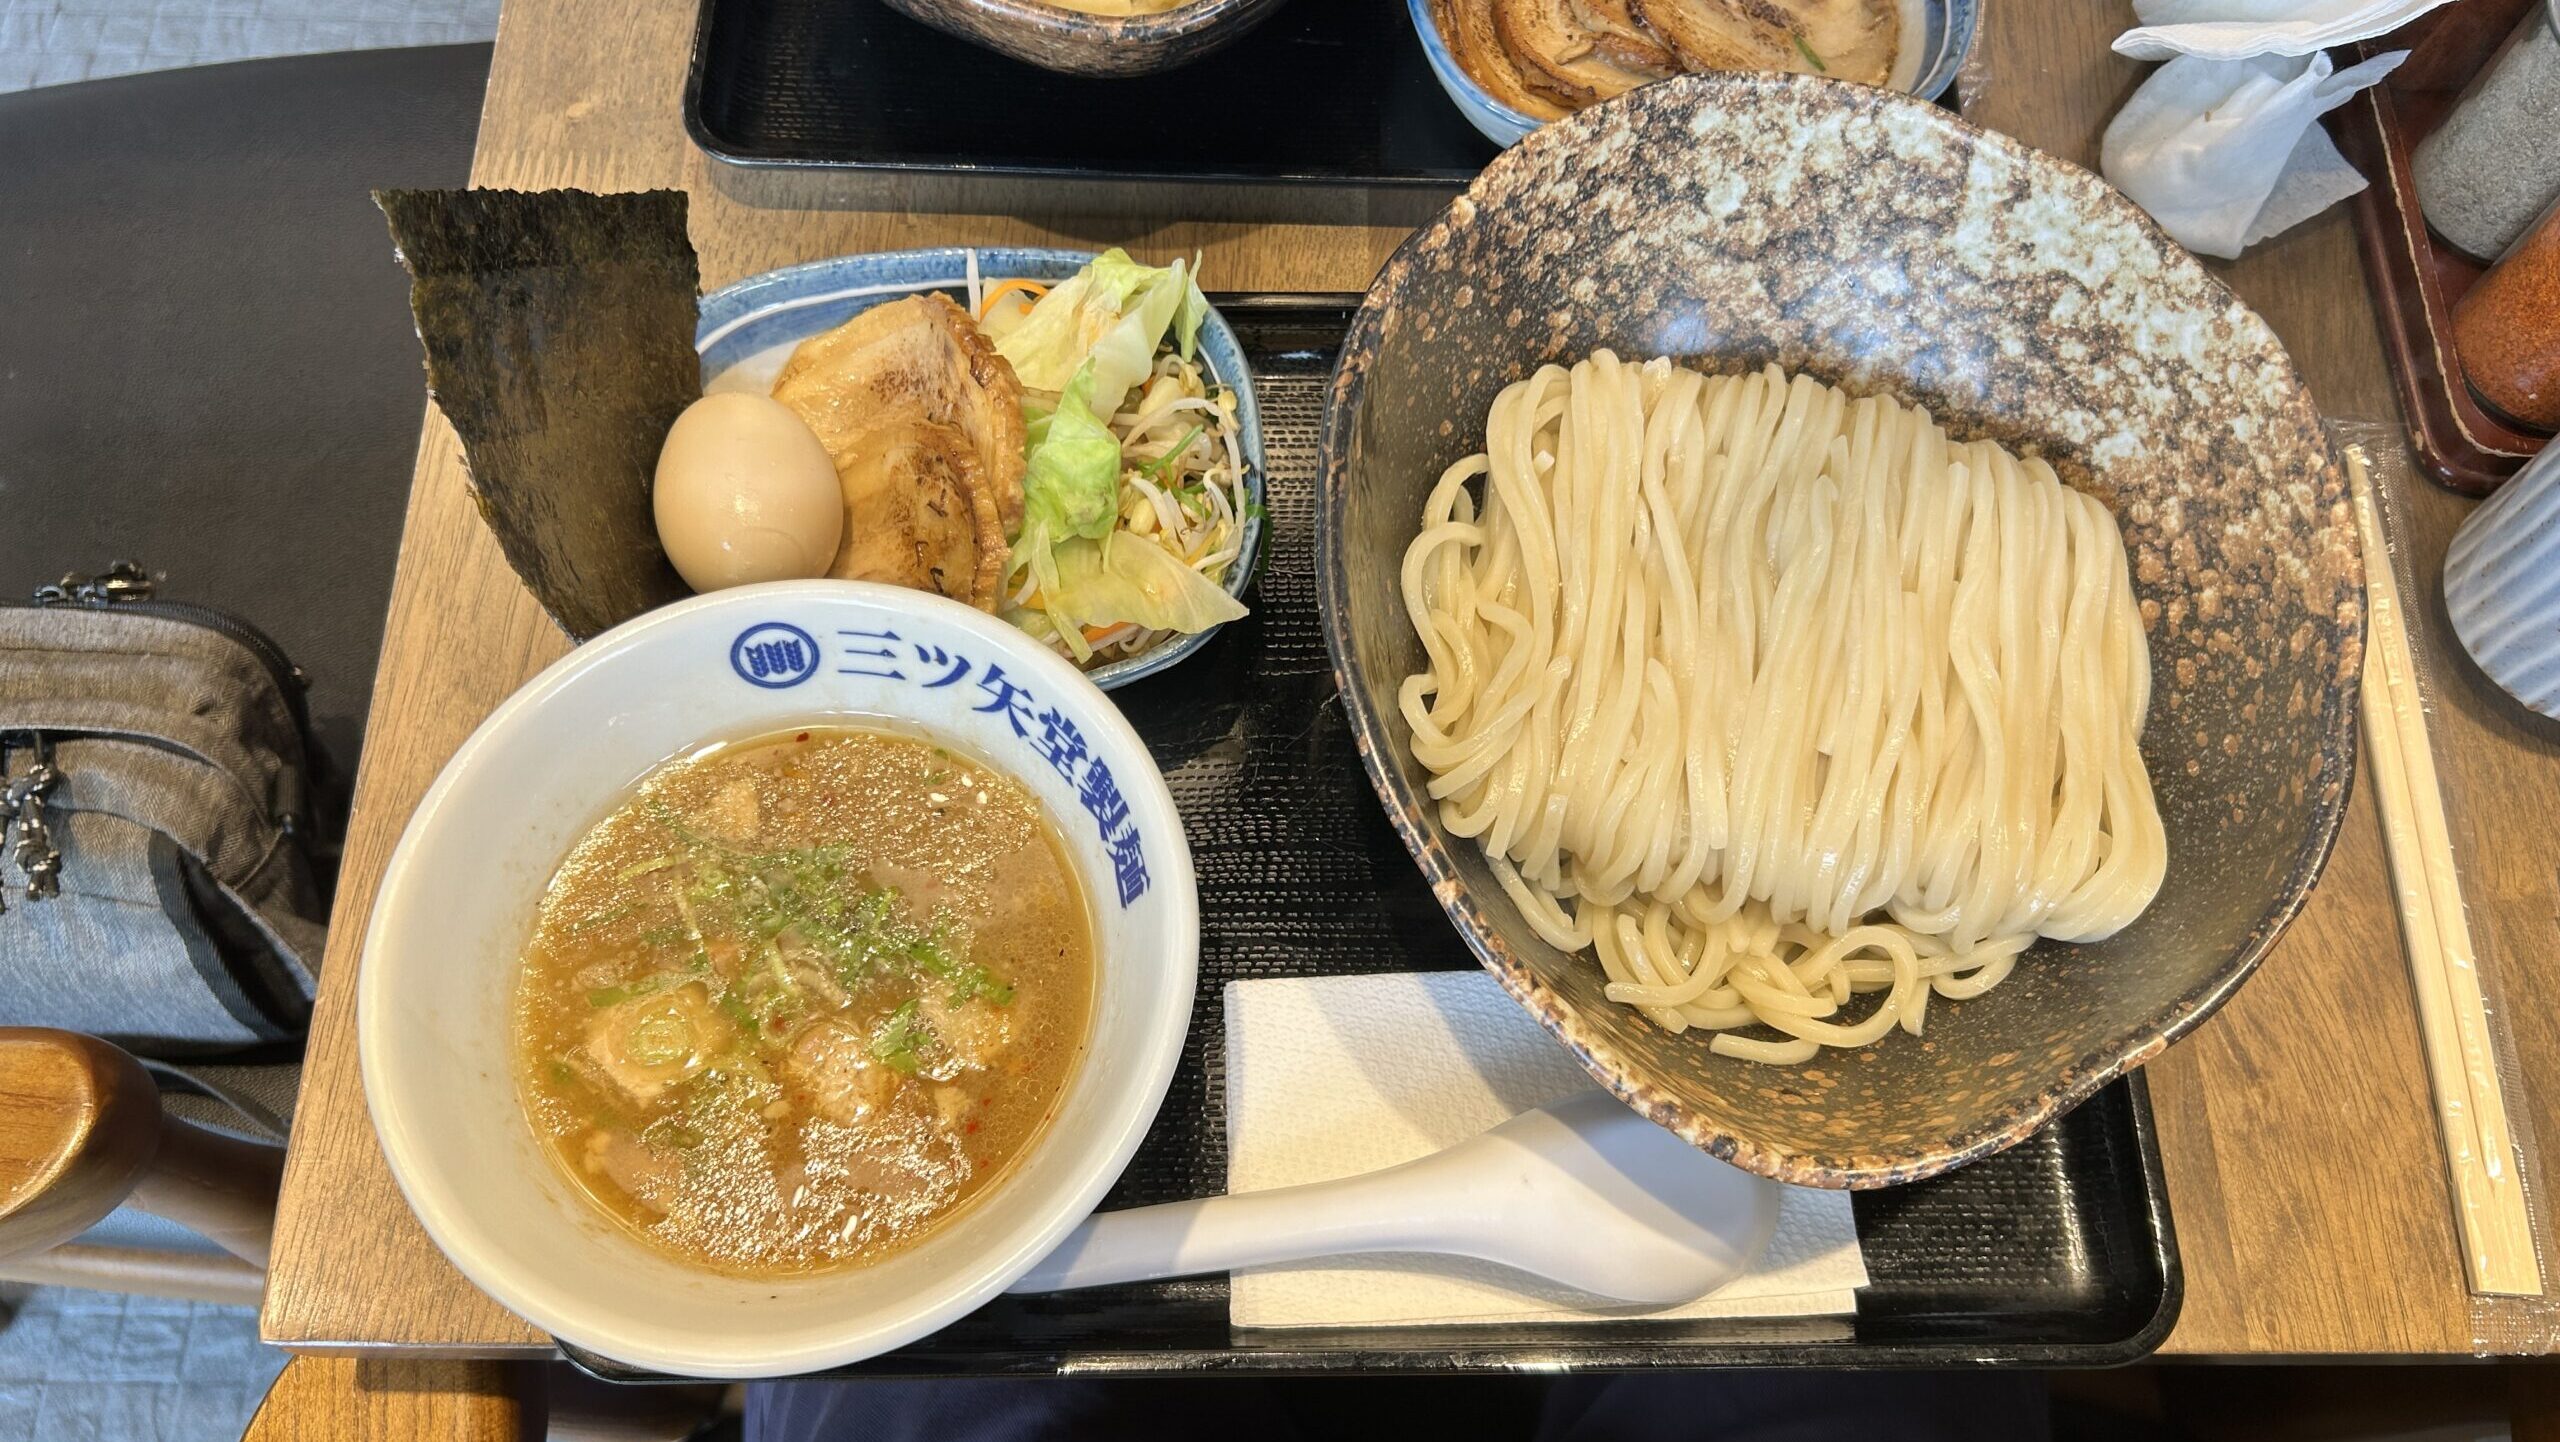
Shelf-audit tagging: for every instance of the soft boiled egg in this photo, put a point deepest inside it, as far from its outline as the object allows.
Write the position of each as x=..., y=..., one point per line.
x=746, y=493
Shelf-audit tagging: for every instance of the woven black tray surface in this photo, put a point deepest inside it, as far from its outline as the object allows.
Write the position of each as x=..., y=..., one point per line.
x=1325, y=90
x=2057, y=1252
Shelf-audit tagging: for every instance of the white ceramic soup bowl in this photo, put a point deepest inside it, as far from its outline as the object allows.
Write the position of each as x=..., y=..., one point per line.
x=435, y=1002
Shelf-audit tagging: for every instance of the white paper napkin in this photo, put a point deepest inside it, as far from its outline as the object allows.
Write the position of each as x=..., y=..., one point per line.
x=2240, y=29
x=1336, y=1076
x=2225, y=153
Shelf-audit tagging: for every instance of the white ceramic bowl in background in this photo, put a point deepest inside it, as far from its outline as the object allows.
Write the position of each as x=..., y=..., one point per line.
x=434, y=1003
x=2502, y=584
x=1937, y=35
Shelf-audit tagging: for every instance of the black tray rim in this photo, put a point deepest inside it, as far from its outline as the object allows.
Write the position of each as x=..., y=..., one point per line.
x=1629, y=1347
x=720, y=148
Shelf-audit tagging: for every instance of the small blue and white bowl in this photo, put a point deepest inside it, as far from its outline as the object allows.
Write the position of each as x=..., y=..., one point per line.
x=435, y=1002
x=1937, y=35
x=749, y=329
x=2502, y=584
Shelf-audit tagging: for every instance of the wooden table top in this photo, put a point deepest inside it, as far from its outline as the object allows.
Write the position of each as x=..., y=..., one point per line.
x=2304, y=1169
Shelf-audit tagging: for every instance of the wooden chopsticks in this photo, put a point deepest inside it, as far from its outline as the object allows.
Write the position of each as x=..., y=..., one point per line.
x=2498, y=1244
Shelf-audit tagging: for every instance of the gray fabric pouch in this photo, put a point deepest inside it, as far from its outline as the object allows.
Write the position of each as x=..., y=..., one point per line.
x=154, y=779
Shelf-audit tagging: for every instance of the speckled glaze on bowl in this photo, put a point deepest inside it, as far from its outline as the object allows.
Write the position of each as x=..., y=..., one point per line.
x=1880, y=243
x=1074, y=43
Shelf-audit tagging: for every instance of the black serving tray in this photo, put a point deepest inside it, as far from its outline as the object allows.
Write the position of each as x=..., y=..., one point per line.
x=2057, y=1252
x=1325, y=90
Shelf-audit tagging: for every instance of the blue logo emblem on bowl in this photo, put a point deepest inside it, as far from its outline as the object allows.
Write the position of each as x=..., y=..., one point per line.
x=774, y=655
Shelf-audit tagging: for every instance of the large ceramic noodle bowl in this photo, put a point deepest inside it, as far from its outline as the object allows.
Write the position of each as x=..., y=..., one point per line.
x=1878, y=657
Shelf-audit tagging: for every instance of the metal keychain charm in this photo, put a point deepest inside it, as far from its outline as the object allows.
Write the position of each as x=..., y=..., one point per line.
x=22, y=803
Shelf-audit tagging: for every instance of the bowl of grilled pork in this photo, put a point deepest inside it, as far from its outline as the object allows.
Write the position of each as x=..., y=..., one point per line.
x=1511, y=66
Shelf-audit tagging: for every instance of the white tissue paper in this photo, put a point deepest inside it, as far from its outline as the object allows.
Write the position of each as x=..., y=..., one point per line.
x=2225, y=153
x=1335, y=1076
x=2241, y=29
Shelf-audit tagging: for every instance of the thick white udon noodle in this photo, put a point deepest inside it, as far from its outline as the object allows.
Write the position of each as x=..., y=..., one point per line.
x=1772, y=696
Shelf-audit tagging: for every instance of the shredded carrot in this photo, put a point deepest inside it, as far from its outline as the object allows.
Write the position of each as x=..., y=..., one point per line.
x=1096, y=635
x=1031, y=288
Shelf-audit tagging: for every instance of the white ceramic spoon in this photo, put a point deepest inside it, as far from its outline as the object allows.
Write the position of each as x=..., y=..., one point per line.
x=1583, y=1192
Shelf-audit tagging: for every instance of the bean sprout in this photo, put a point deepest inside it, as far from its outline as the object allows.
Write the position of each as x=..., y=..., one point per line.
x=1182, y=467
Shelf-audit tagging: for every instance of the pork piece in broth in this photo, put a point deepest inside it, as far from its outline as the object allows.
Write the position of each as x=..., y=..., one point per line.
x=798, y=999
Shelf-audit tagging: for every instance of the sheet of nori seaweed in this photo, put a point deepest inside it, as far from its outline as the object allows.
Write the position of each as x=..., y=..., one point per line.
x=558, y=327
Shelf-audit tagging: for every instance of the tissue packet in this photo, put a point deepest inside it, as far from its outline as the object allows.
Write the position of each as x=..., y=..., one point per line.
x=2241, y=29
x=2224, y=153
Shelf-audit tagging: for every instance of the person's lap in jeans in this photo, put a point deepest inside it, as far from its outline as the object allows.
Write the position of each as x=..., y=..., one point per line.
x=1789, y=1406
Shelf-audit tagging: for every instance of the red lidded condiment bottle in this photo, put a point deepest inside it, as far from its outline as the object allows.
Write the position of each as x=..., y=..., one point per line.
x=2506, y=329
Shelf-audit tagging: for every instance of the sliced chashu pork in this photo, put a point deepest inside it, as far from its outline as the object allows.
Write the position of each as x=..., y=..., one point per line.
x=1845, y=39
x=1558, y=55
x=1622, y=39
x=1467, y=26
x=921, y=513
x=924, y=423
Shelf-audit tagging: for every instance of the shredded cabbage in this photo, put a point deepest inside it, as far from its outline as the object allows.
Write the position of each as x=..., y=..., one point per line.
x=1090, y=340
x=1129, y=578
x=1114, y=313
x=1072, y=485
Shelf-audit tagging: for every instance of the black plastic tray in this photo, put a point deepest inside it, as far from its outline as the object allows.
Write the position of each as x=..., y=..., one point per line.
x=1325, y=90
x=2057, y=1252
